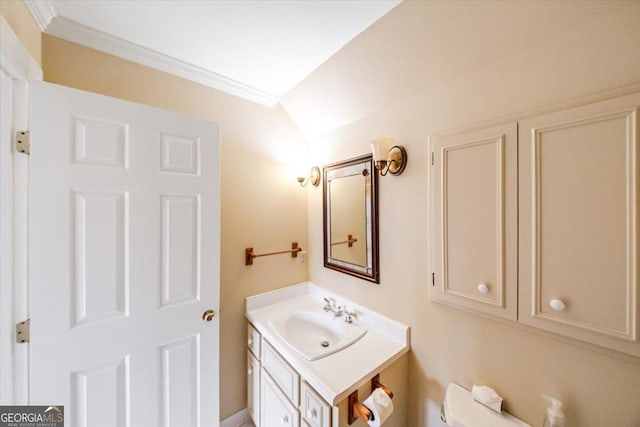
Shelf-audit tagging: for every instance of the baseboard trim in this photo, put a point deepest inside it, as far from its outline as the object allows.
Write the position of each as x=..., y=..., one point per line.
x=237, y=419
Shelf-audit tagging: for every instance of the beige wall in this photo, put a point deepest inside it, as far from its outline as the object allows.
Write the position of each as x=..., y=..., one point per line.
x=428, y=67
x=424, y=68
x=17, y=15
x=261, y=205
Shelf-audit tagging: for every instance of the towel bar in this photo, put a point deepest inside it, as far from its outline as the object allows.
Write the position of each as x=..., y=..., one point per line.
x=249, y=255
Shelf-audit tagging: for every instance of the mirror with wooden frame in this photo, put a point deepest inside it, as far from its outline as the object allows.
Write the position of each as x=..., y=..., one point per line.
x=350, y=212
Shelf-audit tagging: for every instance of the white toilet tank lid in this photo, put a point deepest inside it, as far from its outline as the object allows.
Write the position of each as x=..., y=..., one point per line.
x=461, y=410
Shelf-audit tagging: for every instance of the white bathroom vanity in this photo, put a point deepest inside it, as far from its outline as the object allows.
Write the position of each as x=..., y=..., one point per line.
x=312, y=354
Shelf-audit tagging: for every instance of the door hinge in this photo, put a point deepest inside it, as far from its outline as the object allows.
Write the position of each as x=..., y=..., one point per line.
x=23, y=144
x=23, y=331
x=432, y=159
x=433, y=279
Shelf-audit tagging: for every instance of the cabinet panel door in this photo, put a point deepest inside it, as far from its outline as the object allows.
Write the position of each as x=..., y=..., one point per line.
x=578, y=177
x=275, y=408
x=313, y=409
x=253, y=388
x=473, y=184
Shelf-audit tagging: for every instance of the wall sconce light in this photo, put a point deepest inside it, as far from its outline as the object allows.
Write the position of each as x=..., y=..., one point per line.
x=313, y=178
x=388, y=157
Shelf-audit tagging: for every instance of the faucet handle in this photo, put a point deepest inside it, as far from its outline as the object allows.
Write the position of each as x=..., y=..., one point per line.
x=329, y=305
x=349, y=315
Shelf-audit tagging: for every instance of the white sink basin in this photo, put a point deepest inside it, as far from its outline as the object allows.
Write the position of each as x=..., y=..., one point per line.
x=316, y=334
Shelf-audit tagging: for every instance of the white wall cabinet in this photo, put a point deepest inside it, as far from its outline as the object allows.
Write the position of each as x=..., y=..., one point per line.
x=579, y=178
x=541, y=227
x=474, y=196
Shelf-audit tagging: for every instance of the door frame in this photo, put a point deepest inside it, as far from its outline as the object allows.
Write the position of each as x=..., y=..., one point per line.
x=19, y=65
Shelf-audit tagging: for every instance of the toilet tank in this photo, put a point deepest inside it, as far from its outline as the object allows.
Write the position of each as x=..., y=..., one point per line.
x=460, y=410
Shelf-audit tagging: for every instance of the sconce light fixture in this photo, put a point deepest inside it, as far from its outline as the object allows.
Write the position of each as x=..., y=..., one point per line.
x=387, y=157
x=313, y=177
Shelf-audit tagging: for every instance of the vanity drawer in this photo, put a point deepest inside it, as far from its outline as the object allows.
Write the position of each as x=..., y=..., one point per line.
x=284, y=375
x=253, y=340
x=315, y=411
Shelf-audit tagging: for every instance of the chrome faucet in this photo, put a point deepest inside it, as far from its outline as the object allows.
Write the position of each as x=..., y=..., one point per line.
x=332, y=307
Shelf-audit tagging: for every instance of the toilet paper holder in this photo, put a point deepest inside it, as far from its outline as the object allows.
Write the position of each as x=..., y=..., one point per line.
x=356, y=409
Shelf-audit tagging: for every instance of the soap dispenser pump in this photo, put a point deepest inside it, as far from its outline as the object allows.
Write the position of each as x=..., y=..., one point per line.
x=555, y=417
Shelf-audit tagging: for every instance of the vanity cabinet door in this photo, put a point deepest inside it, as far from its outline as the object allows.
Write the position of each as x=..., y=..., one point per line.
x=473, y=183
x=579, y=182
x=253, y=388
x=275, y=410
x=313, y=409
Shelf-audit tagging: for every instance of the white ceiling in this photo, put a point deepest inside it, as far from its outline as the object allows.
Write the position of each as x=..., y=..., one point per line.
x=255, y=49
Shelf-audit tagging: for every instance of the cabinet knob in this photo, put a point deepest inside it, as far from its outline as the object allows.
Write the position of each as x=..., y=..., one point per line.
x=311, y=413
x=250, y=341
x=483, y=288
x=557, y=305
x=250, y=371
x=285, y=420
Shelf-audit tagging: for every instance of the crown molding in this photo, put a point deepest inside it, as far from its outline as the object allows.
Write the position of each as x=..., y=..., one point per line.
x=42, y=12
x=76, y=33
x=15, y=59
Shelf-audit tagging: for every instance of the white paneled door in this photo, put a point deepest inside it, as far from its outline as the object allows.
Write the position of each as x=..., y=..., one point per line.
x=124, y=262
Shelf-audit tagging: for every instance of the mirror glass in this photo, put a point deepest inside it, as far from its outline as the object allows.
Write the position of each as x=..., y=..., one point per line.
x=350, y=218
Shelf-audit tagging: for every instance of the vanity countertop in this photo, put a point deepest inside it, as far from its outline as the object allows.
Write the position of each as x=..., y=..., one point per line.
x=335, y=376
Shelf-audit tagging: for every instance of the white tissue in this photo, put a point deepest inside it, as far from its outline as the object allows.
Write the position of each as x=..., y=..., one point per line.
x=380, y=405
x=487, y=396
